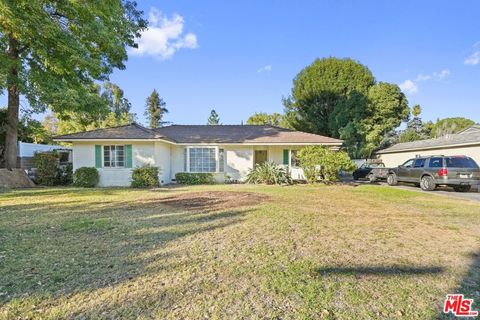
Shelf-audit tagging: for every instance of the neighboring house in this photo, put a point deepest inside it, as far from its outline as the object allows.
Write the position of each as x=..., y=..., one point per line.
x=26, y=151
x=227, y=151
x=466, y=142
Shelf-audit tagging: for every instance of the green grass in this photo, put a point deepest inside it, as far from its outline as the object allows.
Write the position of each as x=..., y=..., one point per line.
x=299, y=252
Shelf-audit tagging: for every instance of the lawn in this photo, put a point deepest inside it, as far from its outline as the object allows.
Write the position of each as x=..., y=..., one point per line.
x=235, y=251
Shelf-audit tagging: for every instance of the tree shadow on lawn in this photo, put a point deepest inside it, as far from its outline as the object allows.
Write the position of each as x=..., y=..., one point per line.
x=469, y=287
x=380, y=271
x=89, y=251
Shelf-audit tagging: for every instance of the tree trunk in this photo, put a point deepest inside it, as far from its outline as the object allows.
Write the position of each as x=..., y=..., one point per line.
x=13, y=105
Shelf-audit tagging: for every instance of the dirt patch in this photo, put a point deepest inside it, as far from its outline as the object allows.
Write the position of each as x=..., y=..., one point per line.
x=213, y=201
x=15, y=178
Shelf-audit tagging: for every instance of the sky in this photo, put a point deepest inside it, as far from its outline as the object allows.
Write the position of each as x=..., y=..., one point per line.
x=240, y=57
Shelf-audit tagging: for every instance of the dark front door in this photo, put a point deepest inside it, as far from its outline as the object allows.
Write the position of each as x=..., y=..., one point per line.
x=260, y=156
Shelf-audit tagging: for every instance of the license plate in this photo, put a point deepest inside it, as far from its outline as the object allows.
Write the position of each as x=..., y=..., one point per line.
x=464, y=176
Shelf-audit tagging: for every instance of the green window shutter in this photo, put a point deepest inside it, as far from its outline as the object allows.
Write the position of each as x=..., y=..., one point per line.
x=285, y=157
x=98, y=156
x=128, y=156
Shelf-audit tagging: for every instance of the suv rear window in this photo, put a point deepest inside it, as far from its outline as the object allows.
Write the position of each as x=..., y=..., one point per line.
x=461, y=162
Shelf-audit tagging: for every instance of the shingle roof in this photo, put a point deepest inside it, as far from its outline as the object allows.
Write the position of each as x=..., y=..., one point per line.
x=240, y=134
x=471, y=138
x=129, y=131
x=205, y=134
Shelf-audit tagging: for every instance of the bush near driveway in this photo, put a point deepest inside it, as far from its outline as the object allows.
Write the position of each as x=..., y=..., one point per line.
x=321, y=163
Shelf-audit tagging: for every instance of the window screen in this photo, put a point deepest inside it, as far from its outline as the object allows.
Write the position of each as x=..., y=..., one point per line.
x=113, y=156
x=202, y=160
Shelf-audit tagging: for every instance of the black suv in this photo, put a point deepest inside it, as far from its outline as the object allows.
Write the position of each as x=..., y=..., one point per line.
x=460, y=172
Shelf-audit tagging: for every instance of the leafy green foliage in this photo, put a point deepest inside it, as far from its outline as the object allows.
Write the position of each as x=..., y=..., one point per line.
x=387, y=108
x=340, y=98
x=145, y=177
x=86, y=177
x=416, y=128
x=47, y=165
x=262, y=118
x=194, y=178
x=450, y=126
x=29, y=130
x=155, y=109
x=321, y=163
x=268, y=173
x=54, y=53
x=214, y=119
x=65, y=175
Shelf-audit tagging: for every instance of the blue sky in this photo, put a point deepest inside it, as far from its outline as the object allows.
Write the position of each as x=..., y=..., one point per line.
x=240, y=57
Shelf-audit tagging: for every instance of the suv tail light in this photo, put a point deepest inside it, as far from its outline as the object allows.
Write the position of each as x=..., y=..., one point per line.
x=443, y=172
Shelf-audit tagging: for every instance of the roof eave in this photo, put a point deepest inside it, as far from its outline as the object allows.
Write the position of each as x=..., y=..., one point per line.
x=458, y=145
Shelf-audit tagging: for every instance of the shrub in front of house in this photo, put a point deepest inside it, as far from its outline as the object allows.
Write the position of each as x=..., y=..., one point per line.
x=145, y=177
x=322, y=164
x=86, y=177
x=194, y=178
x=47, y=165
x=268, y=173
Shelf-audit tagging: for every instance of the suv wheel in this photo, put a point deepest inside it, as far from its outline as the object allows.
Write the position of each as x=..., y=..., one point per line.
x=462, y=188
x=427, y=183
x=392, y=179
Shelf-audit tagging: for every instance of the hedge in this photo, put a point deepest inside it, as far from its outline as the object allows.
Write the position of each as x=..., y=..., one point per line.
x=86, y=177
x=144, y=177
x=47, y=165
x=194, y=178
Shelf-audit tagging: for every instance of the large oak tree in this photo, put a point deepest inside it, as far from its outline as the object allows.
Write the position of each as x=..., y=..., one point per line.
x=53, y=52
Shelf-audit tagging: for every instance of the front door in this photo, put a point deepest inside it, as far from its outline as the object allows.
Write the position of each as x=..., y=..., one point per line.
x=260, y=157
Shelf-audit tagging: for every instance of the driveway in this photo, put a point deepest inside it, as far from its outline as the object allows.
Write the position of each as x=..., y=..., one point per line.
x=441, y=191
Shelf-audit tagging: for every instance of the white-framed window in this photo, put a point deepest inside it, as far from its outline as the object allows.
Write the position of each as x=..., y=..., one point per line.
x=114, y=156
x=204, y=159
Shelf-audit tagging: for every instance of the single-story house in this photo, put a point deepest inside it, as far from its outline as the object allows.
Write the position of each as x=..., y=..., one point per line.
x=466, y=142
x=227, y=151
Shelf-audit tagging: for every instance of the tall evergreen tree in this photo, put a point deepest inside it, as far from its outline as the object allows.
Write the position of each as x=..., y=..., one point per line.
x=214, y=119
x=155, y=109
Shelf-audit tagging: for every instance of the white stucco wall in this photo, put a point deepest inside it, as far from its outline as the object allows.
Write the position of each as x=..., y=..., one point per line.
x=238, y=161
x=170, y=159
x=396, y=159
x=143, y=153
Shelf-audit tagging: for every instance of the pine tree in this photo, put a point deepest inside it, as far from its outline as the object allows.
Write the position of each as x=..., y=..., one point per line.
x=155, y=109
x=213, y=119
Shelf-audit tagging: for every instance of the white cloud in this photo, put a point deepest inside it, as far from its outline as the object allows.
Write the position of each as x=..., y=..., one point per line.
x=408, y=86
x=266, y=68
x=411, y=86
x=441, y=75
x=164, y=36
x=474, y=58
